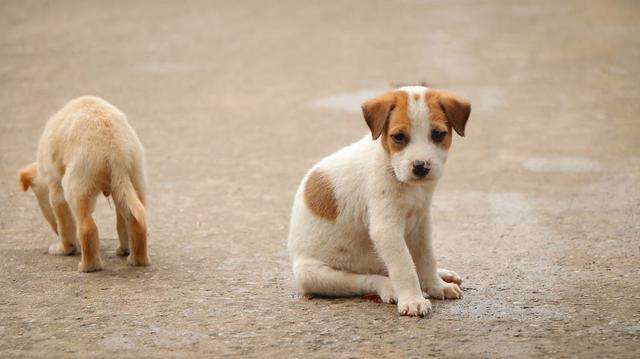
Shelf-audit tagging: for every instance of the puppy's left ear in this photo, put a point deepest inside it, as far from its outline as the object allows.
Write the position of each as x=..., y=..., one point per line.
x=456, y=109
x=27, y=175
x=377, y=111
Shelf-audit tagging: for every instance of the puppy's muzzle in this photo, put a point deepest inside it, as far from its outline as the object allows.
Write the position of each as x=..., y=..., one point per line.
x=421, y=168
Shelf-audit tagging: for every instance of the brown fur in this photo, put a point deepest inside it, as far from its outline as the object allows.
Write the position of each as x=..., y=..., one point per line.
x=437, y=118
x=455, y=108
x=319, y=196
x=399, y=122
x=377, y=111
x=65, y=224
x=386, y=115
x=88, y=236
x=26, y=176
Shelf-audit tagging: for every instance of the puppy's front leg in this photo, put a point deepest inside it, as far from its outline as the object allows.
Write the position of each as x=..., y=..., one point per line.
x=424, y=258
x=387, y=233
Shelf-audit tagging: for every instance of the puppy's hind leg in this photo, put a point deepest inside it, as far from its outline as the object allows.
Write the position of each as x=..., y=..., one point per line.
x=123, y=236
x=130, y=207
x=315, y=277
x=65, y=223
x=88, y=233
x=137, y=230
x=133, y=229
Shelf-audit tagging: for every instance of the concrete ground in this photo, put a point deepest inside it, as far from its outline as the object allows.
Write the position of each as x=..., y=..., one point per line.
x=539, y=208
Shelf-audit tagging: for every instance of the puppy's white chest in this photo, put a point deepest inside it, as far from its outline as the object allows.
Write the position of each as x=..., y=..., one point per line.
x=412, y=219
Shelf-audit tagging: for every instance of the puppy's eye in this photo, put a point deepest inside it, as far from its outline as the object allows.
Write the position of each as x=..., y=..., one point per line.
x=398, y=137
x=438, y=136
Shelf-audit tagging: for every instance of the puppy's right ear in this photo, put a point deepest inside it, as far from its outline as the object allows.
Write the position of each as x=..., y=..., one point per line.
x=377, y=111
x=27, y=175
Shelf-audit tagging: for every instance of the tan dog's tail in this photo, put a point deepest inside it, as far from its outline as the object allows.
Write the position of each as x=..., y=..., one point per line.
x=125, y=196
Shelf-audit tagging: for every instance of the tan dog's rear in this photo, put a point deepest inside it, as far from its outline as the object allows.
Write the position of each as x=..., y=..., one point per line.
x=89, y=148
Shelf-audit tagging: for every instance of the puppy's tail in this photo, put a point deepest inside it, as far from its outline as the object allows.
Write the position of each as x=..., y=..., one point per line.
x=126, y=196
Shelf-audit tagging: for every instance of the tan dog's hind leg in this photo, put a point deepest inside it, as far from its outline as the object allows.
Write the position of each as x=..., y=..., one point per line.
x=65, y=223
x=88, y=234
x=138, y=241
x=123, y=236
x=137, y=229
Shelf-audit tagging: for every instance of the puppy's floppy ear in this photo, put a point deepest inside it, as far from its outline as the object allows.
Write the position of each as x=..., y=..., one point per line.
x=27, y=175
x=456, y=109
x=377, y=111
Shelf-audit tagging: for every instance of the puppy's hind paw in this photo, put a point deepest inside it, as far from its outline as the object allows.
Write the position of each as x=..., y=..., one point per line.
x=122, y=252
x=59, y=249
x=386, y=292
x=138, y=261
x=90, y=267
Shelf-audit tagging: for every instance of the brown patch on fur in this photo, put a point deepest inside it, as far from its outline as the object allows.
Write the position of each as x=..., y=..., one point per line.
x=399, y=122
x=387, y=115
x=437, y=117
x=377, y=111
x=319, y=196
x=455, y=109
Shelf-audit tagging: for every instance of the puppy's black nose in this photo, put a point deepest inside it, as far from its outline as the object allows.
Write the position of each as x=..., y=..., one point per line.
x=420, y=168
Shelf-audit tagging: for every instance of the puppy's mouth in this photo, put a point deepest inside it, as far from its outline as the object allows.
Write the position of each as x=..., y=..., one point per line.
x=420, y=180
x=412, y=178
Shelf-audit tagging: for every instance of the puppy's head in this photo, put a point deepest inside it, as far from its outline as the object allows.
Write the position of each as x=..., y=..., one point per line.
x=28, y=178
x=415, y=125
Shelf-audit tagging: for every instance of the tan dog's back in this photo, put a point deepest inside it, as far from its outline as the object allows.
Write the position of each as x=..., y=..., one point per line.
x=88, y=148
x=93, y=134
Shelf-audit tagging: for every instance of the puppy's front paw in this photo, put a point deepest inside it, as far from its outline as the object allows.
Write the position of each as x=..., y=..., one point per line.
x=445, y=290
x=59, y=249
x=414, y=307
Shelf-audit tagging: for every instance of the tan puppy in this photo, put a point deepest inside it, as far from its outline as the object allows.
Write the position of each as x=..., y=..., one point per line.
x=89, y=148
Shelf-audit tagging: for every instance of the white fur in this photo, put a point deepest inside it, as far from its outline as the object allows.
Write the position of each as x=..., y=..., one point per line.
x=373, y=246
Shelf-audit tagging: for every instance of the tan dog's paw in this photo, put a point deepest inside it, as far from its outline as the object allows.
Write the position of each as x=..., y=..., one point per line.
x=445, y=291
x=449, y=276
x=59, y=249
x=90, y=267
x=122, y=252
x=414, y=307
x=138, y=261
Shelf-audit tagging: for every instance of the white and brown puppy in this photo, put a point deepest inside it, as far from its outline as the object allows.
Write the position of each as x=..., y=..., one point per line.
x=361, y=218
x=89, y=148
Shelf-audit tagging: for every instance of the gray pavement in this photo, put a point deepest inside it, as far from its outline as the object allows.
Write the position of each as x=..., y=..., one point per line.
x=539, y=208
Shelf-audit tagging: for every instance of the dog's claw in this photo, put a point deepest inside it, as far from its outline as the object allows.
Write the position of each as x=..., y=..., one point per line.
x=444, y=291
